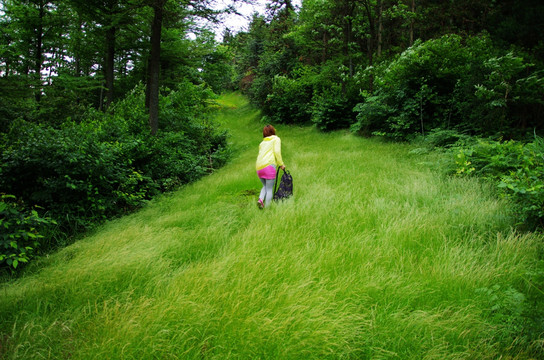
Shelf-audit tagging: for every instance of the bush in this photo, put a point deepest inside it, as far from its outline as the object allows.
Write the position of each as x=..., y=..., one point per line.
x=185, y=108
x=370, y=116
x=516, y=168
x=262, y=77
x=76, y=178
x=452, y=83
x=16, y=99
x=289, y=101
x=86, y=172
x=311, y=94
x=413, y=92
x=20, y=233
x=333, y=109
x=176, y=159
x=443, y=139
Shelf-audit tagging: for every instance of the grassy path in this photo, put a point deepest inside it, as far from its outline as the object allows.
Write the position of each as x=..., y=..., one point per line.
x=376, y=257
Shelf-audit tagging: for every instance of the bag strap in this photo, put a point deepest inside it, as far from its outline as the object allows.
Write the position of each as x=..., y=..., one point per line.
x=276, y=181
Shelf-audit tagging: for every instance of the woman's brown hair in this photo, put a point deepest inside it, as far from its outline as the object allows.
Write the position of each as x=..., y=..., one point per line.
x=268, y=131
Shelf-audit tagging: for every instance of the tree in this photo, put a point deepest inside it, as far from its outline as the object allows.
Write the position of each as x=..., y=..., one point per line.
x=30, y=23
x=154, y=64
x=198, y=8
x=112, y=18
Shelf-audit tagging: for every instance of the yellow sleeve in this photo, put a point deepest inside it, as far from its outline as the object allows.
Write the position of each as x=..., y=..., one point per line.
x=277, y=152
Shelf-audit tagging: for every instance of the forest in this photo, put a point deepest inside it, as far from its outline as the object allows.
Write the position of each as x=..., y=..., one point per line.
x=105, y=104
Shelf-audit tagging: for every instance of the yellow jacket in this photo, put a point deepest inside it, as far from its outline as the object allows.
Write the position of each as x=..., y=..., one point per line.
x=269, y=152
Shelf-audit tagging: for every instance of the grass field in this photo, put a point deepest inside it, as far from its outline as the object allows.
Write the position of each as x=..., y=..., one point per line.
x=376, y=257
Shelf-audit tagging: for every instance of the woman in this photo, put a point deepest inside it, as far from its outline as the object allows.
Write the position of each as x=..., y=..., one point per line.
x=268, y=160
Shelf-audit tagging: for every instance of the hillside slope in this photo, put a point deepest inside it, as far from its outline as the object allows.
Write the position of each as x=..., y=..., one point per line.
x=375, y=257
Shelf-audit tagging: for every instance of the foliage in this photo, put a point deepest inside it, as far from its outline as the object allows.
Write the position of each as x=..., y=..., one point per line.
x=441, y=140
x=185, y=106
x=218, y=70
x=335, y=95
x=273, y=65
x=289, y=101
x=452, y=83
x=264, y=54
x=516, y=168
x=75, y=106
x=76, y=178
x=86, y=172
x=450, y=65
x=20, y=233
x=58, y=58
x=410, y=92
x=332, y=109
x=515, y=314
x=16, y=100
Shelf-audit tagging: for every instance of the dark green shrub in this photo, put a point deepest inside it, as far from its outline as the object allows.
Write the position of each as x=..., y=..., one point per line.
x=75, y=177
x=108, y=164
x=186, y=109
x=127, y=117
x=262, y=77
x=516, y=168
x=333, y=109
x=415, y=92
x=21, y=232
x=263, y=82
x=508, y=100
x=371, y=116
x=443, y=139
x=289, y=101
x=16, y=99
x=174, y=159
x=452, y=83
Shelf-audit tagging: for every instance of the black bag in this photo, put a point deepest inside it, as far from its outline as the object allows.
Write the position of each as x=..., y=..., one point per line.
x=285, y=188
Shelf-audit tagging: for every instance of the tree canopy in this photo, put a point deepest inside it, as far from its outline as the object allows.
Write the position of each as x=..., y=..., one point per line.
x=398, y=67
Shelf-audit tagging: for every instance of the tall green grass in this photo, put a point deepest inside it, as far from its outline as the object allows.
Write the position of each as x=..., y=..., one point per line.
x=375, y=257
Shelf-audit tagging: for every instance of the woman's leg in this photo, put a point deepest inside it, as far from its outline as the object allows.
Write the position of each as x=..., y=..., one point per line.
x=262, y=195
x=268, y=187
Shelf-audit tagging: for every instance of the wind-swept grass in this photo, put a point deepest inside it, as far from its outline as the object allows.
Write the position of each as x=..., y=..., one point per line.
x=375, y=257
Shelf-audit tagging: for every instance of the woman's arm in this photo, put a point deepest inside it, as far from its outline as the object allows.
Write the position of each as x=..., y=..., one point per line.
x=277, y=153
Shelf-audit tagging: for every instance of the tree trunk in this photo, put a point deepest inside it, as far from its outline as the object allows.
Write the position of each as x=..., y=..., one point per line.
x=154, y=65
x=412, y=20
x=289, y=6
x=347, y=42
x=348, y=13
x=110, y=63
x=77, y=46
x=39, y=50
x=350, y=37
x=380, y=27
x=370, y=41
x=147, y=80
x=77, y=52
x=325, y=47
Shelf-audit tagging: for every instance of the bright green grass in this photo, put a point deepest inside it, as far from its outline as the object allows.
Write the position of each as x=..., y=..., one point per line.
x=375, y=257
